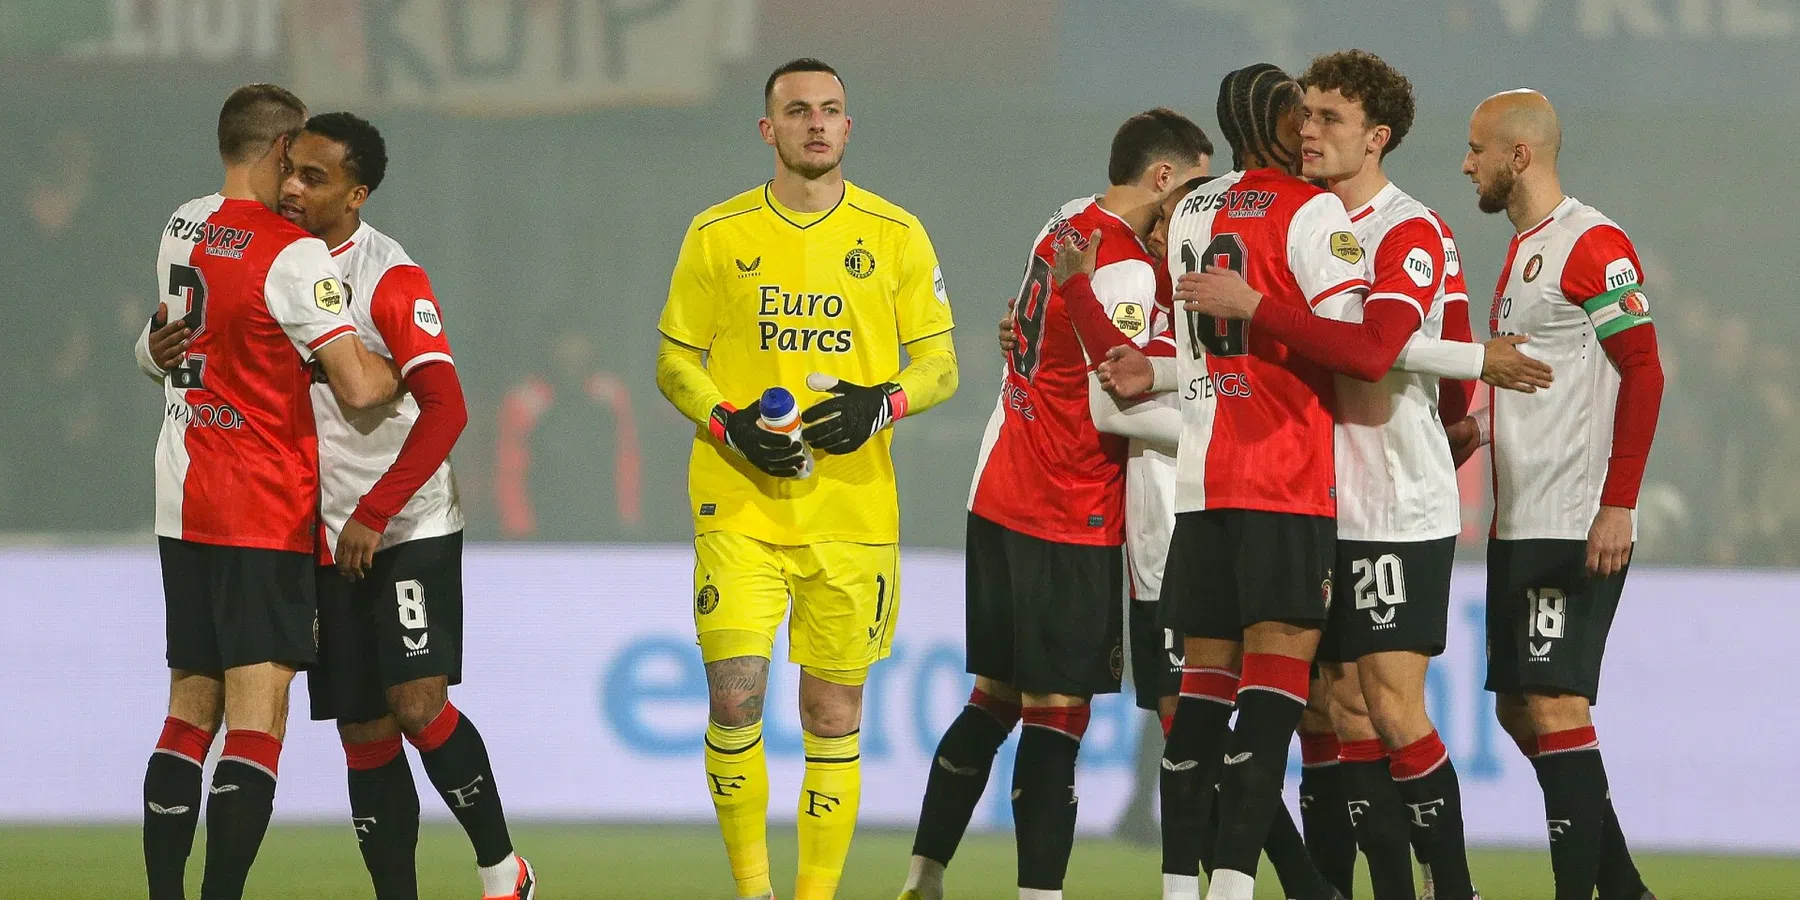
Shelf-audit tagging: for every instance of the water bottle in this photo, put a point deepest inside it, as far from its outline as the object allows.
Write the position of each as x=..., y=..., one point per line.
x=781, y=415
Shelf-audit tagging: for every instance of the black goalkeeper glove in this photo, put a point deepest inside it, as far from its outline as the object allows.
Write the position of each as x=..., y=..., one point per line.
x=771, y=453
x=846, y=420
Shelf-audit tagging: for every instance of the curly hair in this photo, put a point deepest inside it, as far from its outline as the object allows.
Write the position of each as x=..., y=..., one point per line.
x=1385, y=94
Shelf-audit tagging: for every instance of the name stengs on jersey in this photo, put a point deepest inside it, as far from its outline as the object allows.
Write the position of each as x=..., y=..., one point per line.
x=775, y=304
x=220, y=240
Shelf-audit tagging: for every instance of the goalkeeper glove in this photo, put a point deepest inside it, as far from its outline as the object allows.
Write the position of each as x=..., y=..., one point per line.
x=770, y=452
x=846, y=420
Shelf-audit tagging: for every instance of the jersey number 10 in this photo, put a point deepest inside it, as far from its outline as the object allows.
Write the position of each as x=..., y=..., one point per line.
x=1220, y=337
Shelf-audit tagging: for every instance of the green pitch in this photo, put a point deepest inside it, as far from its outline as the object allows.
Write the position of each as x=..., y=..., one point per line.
x=580, y=862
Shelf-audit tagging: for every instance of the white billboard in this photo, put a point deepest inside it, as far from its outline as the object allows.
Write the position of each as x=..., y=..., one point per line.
x=582, y=674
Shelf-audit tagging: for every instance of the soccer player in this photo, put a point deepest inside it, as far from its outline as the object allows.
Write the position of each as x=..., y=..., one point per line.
x=390, y=609
x=1567, y=466
x=237, y=489
x=1397, y=514
x=1047, y=515
x=812, y=284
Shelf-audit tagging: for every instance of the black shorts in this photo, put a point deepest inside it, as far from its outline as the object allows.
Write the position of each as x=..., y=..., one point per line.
x=226, y=607
x=1391, y=595
x=1156, y=655
x=401, y=622
x=1547, y=619
x=1231, y=568
x=1043, y=616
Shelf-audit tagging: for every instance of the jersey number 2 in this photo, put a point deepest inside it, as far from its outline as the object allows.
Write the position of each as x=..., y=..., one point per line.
x=189, y=373
x=1220, y=337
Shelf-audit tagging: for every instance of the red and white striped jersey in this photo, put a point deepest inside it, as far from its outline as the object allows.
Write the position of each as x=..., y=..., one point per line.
x=397, y=316
x=1569, y=282
x=1396, y=481
x=237, y=460
x=1257, y=417
x=1044, y=469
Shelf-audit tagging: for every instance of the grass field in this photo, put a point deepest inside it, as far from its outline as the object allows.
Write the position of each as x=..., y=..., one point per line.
x=577, y=862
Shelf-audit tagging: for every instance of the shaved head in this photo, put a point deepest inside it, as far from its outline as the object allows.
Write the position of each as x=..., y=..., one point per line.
x=1521, y=116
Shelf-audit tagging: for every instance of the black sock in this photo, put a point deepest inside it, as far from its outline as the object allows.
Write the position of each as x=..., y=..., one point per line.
x=1294, y=866
x=1381, y=822
x=1255, y=762
x=959, y=775
x=1325, y=817
x=384, y=810
x=172, y=807
x=237, y=814
x=1619, y=878
x=1043, y=796
x=456, y=761
x=1190, y=765
x=1574, y=783
x=1434, y=809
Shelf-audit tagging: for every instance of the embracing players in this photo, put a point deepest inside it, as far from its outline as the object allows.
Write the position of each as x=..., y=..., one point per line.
x=237, y=487
x=1047, y=516
x=1567, y=466
x=806, y=280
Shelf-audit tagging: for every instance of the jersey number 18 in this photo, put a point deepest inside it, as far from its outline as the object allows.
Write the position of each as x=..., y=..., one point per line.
x=1220, y=337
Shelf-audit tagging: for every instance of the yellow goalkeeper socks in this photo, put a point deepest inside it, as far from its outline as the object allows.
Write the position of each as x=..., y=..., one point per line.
x=737, y=776
x=829, y=795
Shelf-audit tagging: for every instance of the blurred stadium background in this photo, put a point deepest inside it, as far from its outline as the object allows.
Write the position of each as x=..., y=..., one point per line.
x=547, y=155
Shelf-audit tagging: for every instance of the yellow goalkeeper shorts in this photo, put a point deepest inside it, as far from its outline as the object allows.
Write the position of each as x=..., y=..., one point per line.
x=844, y=597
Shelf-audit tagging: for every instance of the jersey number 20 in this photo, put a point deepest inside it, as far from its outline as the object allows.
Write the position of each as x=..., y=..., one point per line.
x=1220, y=337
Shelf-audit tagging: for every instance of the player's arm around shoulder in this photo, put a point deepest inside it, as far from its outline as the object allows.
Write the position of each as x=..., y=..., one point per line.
x=305, y=293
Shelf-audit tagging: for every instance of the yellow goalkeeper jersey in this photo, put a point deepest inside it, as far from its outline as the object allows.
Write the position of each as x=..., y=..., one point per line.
x=772, y=295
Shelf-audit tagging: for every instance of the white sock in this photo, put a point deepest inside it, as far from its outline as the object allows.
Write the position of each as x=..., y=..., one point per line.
x=1229, y=884
x=927, y=877
x=501, y=878
x=1035, y=894
x=1181, y=887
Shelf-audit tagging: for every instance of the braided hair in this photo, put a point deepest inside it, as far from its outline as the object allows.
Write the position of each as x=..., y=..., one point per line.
x=1252, y=101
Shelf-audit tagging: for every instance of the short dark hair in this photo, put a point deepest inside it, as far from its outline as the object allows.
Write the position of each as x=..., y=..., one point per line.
x=255, y=116
x=365, y=152
x=1385, y=94
x=803, y=64
x=1157, y=135
x=1252, y=101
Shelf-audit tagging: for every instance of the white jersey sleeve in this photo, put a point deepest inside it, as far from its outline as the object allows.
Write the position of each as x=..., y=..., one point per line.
x=305, y=294
x=1425, y=355
x=1327, y=261
x=1127, y=291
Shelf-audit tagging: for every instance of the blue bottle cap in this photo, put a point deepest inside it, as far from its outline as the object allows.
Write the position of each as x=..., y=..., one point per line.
x=776, y=402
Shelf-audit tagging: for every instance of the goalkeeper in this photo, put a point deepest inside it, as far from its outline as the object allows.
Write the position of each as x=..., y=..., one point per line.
x=813, y=284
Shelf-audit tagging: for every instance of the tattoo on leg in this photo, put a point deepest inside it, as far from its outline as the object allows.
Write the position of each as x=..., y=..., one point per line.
x=736, y=687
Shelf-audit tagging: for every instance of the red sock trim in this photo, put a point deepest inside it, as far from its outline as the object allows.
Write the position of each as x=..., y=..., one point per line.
x=1361, y=751
x=1418, y=759
x=434, y=735
x=1565, y=741
x=1217, y=685
x=257, y=748
x=1281, y=674
x=372, y=755
x=1007, y=714
x=1168, y=722
x=1318, y=749
x=1070, y=720
x=186, y=740
x=1528, y=747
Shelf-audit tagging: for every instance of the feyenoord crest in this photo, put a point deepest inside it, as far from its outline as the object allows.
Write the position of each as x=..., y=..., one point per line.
x=707, y=600
x=859, y=263
x=1534, y=265
x=1345, y=247
x=1117, y=659
x=328, y=295
x=1634, y=303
